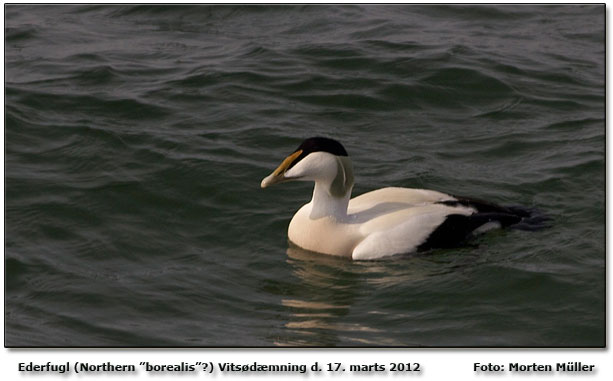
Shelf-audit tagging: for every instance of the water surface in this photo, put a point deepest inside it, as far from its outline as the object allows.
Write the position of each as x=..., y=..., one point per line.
x=136, y=138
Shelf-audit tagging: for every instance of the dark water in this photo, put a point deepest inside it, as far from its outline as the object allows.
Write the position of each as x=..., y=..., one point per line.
x=136, y=138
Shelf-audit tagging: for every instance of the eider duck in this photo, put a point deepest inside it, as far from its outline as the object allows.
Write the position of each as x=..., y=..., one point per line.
x=379, y=223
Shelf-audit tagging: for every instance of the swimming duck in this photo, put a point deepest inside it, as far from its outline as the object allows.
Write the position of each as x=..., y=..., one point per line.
x=379, y=223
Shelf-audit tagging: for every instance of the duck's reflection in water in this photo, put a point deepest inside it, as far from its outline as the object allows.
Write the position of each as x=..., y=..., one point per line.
x=329, y=286
x=343, y=302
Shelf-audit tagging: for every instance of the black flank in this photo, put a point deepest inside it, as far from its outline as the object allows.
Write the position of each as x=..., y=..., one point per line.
x=457, y=228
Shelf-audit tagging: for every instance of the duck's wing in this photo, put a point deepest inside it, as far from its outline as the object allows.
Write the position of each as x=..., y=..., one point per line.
x=424, y=228
x=397, y=196
x=403, y=220
x=404, y=230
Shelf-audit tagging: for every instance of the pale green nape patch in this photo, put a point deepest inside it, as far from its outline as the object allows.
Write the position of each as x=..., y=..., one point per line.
x=344, y=177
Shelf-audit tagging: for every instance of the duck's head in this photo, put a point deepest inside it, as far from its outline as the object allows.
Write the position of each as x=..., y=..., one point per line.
x=318, y=159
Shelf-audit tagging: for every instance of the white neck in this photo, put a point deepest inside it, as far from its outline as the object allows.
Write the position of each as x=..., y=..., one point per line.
x=324, y=204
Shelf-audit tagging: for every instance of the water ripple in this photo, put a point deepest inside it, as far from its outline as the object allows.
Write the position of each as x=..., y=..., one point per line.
x=137, y=137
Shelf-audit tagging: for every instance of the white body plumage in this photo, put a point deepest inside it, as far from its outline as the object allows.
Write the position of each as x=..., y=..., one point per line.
x=376, y=224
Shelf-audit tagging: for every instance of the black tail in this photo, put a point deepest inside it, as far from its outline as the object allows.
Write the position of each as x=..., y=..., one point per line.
x=533, y=219
x=457, y=228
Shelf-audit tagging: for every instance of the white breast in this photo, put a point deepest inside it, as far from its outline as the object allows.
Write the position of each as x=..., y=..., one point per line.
x=324, y=235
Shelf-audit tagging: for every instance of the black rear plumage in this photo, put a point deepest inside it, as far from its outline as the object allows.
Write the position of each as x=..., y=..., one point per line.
x=457, y=227
x=486, y=207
